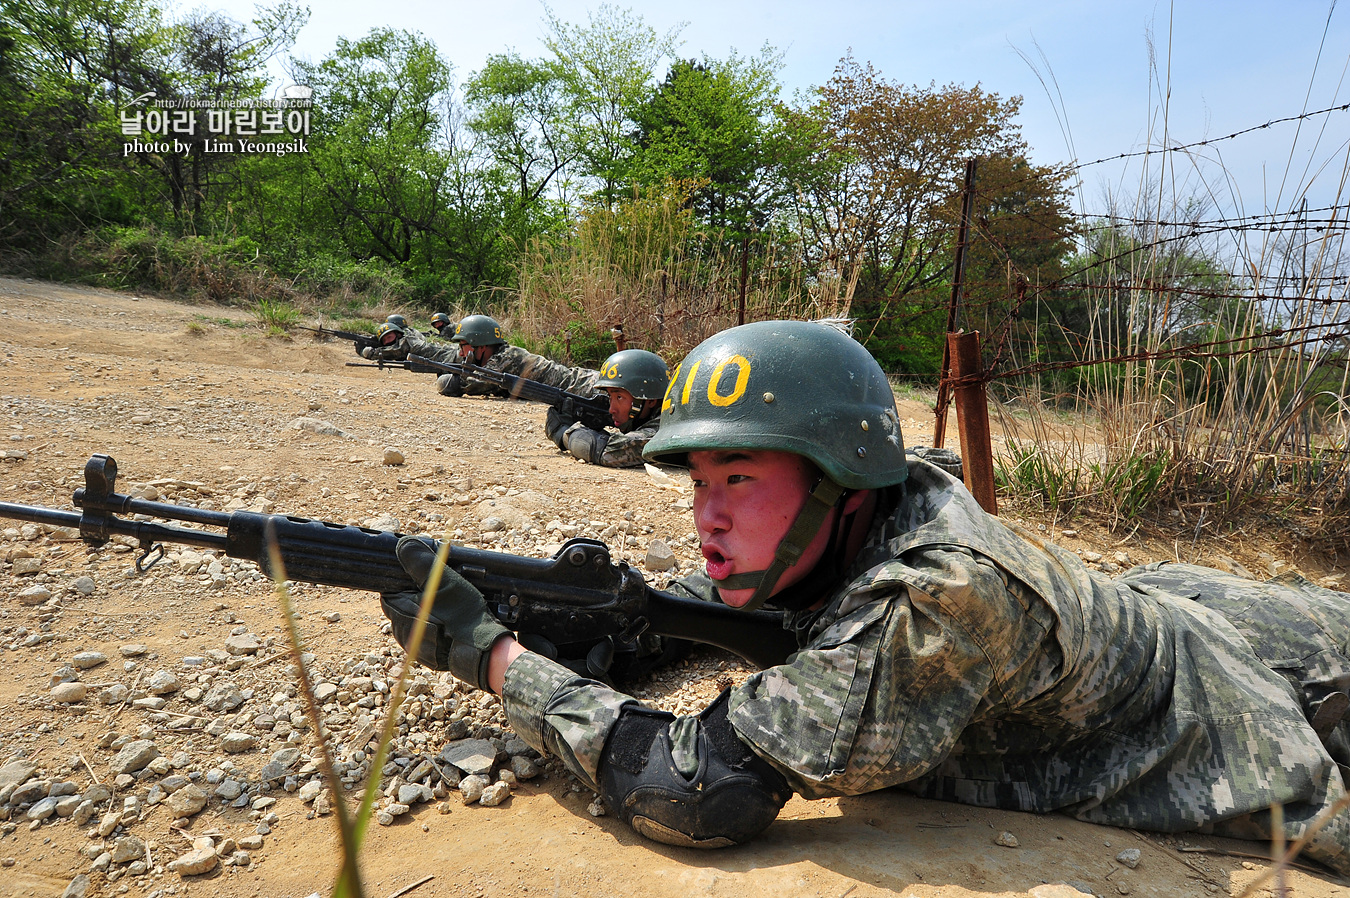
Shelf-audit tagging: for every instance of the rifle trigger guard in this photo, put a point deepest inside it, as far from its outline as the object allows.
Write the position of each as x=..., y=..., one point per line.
x=634, y=630
x=149, y=549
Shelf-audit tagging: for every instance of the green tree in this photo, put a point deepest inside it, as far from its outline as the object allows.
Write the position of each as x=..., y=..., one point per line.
x=381, y=103
x=714, y=124
x=64, y=72
x=607, y=67
x=519, y=111
x=402, y=181
x=216, y=60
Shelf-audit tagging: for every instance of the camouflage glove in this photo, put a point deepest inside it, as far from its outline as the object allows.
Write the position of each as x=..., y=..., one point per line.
x=555, y=425
x=586, y=444
x=460, y=631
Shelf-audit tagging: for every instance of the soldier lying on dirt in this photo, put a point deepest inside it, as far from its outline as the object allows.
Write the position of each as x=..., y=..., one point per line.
x=635, y=381
x=939, y=651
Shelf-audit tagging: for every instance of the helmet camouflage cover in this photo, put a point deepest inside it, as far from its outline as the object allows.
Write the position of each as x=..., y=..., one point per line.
x=791, y=386
x=479, y=330
x=642, y=373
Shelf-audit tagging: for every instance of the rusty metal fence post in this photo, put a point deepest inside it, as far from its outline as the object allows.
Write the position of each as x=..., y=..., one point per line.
x=972, y=418
x=958, y=284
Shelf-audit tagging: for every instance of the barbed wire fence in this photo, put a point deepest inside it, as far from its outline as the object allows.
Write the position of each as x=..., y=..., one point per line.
x=1227, y=382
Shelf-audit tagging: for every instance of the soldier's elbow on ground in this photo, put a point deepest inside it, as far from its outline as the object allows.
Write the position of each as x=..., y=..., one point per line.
x=586, y=444
x=732, y=797
x=450, y=385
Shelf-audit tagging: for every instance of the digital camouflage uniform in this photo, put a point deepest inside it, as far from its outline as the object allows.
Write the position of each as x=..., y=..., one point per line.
x=963, y=662
x=622, y=450
x=644, y=377
x=508, y=360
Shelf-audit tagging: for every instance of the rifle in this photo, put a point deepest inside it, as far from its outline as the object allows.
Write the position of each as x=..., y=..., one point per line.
x=362, y=341
x=593, y=411
x=396, y=363
x=578, y=596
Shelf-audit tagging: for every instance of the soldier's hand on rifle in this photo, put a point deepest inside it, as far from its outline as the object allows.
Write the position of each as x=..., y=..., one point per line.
x=555, y=425
x=460, y=631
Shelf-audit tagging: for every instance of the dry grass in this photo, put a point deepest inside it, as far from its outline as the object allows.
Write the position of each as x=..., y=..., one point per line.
x=1248, y=425
x=648, y=266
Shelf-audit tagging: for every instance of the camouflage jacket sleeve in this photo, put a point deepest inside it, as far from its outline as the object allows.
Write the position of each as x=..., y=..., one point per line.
x=396, y=351
x=624, y=450
x=416, y=343
x=883, y=692
x=517, y=361
x=568, y=716
x=615, y=450
x=556, y=711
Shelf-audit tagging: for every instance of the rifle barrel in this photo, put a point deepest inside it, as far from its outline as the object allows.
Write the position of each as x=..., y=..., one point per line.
x=579, y=593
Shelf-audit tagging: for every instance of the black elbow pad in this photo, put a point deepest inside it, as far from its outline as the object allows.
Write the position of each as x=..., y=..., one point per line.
x=450, y=385
x=733, y=796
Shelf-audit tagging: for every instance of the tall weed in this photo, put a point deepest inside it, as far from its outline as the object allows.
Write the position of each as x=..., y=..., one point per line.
x=647, y=265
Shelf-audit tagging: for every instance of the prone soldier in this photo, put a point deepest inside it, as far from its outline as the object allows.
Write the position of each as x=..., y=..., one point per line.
x=635, y=381
x=439, y=324
x=939, y=650
x=389, y=339
x=479, y=341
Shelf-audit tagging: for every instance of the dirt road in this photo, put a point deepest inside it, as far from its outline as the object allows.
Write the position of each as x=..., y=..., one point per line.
x=198, y=406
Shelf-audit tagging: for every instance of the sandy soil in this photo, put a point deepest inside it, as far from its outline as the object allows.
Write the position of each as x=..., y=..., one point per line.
x=181, y=393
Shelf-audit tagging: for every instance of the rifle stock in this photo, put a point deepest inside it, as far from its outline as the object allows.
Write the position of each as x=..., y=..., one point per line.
x=577, y=595
x=593, y=411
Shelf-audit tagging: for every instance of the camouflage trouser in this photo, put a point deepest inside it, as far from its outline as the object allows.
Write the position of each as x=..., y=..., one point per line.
x=1302, y=632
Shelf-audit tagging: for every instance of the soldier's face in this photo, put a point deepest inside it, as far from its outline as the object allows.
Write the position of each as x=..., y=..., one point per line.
x=474, y=354
x=620, y=405
x=744, y=504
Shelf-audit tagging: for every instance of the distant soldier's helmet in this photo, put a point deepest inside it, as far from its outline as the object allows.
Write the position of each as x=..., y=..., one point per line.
x=642, y=373
x=399, y=320
x=790, y=386
x=389, y=334
x=479, y=330
x=440, y=321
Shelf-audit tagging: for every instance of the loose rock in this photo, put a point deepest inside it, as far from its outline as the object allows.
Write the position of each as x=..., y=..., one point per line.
x=67, y=693
x=659, y=557
x=134, y=756
x=195, y=862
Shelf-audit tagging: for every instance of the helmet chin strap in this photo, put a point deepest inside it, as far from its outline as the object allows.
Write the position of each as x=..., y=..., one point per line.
x=824, y=497
x=635, y=416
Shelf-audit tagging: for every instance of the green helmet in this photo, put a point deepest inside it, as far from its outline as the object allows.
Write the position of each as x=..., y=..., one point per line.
x=642, y=373
x=793, y=386
x=389, y=333
x=399, y=320
x=440, y=321
x=479, y=330
x=790, y=386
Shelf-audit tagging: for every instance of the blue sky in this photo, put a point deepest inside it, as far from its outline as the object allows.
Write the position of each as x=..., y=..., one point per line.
x=1229, y=65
